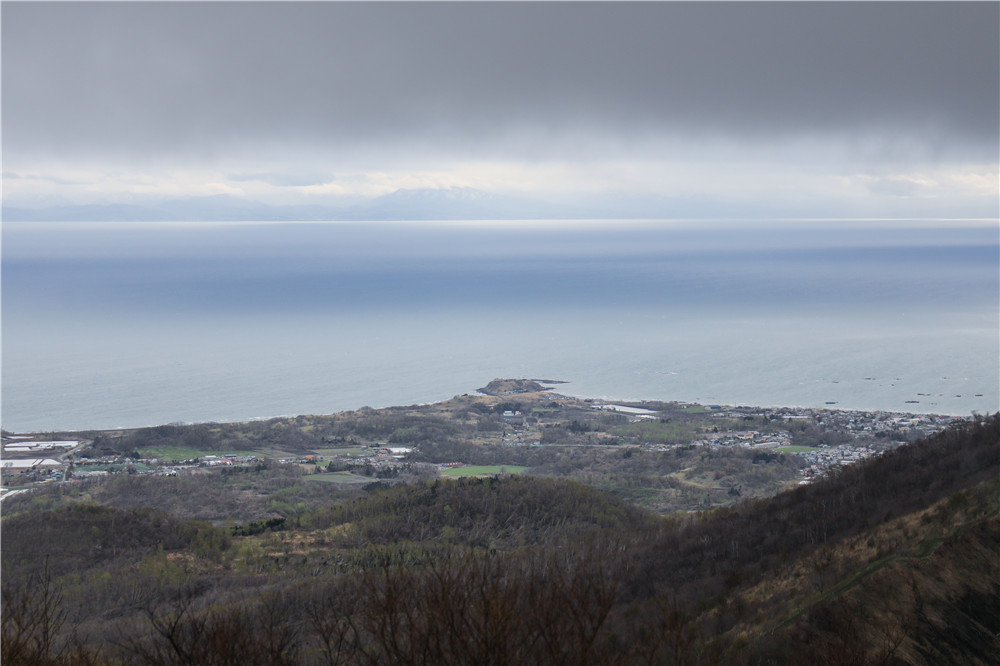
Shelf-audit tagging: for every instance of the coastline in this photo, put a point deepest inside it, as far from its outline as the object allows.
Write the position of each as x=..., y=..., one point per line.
x=629, y=403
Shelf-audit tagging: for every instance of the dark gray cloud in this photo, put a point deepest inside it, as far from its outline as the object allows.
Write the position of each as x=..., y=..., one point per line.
x=196, y=80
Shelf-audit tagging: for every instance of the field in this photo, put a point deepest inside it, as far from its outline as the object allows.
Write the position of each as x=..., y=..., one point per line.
x=797, y=449
x=338, y=477
x=482, y=470
x=353, y=451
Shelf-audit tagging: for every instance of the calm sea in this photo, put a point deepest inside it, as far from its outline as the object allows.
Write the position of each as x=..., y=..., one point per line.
x=128, y=324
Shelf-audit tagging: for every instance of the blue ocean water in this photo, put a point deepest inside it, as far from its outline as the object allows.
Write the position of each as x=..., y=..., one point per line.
x=129, y=324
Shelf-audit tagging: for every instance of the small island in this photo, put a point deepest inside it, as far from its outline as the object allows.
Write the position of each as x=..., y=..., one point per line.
x=511, y=386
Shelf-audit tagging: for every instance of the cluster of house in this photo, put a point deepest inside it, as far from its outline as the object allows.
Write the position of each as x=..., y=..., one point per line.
x=874, y=423
x=750, y=439
x=857, y=422
x=822, y=461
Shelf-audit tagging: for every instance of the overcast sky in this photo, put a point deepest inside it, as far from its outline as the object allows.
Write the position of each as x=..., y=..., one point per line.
x=885, y=108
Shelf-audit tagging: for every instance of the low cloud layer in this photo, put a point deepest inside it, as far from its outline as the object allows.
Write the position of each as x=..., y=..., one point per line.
x=273, y=101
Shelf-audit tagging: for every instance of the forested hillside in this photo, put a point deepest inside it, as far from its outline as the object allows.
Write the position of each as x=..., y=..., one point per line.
x=890, y=561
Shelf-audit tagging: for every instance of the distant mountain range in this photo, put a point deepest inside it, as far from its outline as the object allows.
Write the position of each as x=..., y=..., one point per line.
x=406, y=204
x=453, y=203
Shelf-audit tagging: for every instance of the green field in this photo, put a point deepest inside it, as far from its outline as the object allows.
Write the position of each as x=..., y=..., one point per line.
x=797, y=449
x=483, y=470
x=338, y=477
x=352, y=451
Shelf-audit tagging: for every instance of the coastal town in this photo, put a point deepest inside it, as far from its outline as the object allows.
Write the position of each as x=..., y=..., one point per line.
x=825, y=439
